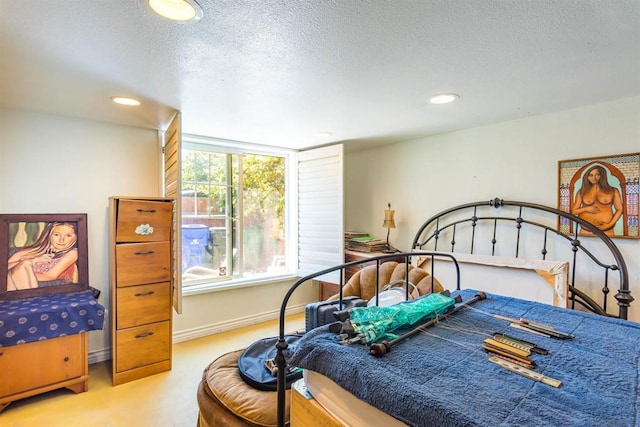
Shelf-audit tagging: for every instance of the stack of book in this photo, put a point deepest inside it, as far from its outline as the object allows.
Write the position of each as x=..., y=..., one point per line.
x=348, y=235
x=362, y=242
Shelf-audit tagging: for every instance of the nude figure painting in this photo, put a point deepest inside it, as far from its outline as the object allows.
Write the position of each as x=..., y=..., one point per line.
x=602, y=191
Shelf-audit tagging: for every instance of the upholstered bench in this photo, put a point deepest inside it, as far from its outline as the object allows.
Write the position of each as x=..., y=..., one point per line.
x=225, y=400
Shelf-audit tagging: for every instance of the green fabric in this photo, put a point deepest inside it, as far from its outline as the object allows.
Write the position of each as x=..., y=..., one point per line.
x=378, y=323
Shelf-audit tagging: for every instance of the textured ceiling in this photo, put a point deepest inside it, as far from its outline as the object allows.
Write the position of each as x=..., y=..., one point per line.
x=278, y=71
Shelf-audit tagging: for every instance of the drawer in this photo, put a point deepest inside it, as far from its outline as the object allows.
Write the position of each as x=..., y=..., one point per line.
x=143, y=221
x=139, y=305
x=143, y=345
x=141, y=263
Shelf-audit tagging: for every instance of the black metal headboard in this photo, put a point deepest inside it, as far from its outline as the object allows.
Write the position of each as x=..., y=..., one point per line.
x=527, y=230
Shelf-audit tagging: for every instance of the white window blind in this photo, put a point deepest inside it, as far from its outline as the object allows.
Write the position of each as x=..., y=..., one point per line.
x=320, y=211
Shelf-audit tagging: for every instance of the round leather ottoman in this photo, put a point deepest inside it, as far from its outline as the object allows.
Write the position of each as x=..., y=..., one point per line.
x=225, y=400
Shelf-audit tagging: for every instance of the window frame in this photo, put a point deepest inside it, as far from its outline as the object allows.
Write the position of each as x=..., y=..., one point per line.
x=290, y=221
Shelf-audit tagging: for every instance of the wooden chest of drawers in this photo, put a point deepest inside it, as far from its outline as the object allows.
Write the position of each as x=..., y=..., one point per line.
x=141, y=274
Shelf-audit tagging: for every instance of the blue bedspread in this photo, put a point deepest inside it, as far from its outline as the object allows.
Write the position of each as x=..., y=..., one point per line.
x=38, y=318
x=447, y=380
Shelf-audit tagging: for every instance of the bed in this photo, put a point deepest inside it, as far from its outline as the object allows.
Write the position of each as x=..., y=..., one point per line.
x=441, y=375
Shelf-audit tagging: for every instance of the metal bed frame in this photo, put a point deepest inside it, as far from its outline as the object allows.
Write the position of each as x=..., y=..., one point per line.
x=282, y=345
x=510, y=226
x=458, y=228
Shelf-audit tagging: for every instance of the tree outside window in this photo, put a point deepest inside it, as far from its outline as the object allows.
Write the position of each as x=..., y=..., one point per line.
x=233, y=215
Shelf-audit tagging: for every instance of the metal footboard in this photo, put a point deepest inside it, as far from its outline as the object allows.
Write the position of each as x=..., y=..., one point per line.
x=282, y=345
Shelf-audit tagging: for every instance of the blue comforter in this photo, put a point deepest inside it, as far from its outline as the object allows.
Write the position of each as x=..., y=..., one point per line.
x=444, y=378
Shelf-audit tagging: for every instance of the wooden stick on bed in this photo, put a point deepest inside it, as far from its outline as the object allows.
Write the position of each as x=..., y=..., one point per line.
x=384, y=347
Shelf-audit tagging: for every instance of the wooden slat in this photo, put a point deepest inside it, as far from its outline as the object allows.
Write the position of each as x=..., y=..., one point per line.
x=172, y=179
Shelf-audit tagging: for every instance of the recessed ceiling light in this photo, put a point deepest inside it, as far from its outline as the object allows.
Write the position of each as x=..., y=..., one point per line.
x=177, y=10
x=443, y=98
x=322, y=134
x=123, y=100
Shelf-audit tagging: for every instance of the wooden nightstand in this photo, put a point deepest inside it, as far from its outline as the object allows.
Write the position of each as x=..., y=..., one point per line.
x=327, y=289
x=40, y=366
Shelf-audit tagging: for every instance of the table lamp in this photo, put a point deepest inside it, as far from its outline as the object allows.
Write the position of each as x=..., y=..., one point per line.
x=389, y=224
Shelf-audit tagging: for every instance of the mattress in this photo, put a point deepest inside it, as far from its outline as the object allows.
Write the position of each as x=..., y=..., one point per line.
x=444, y=377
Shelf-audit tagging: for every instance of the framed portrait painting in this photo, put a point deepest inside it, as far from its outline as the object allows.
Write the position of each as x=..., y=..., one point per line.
x=602, y=191
x=42, y=254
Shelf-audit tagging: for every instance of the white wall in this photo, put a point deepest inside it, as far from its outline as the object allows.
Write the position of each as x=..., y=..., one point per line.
x=3, y=125
x=218, y=311
x=56, y=164
x=515, y=160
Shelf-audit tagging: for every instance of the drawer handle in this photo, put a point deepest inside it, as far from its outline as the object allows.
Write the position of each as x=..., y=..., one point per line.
x=144, y=294
x=143, y=253
x=146, y=210
x=144, y=335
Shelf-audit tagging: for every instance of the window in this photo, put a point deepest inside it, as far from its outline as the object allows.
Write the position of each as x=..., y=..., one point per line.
x=234, y=208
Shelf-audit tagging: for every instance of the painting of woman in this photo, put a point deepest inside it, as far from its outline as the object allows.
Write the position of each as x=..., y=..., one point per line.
x=597, y=201
x=50, y=260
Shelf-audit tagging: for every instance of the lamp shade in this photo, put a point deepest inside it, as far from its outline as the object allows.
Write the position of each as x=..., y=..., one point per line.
x=388, y=218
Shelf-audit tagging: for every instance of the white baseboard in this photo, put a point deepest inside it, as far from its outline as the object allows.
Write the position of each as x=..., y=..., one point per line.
x=97, y=356
x=241, y=322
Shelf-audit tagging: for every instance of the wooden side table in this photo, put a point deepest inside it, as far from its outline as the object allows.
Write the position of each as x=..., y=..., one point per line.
x=327, y=289
x=40, y=366
x=44, y=343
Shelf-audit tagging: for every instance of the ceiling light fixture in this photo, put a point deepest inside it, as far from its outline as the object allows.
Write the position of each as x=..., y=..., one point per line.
x=177, y=10
x=443, y=98
x=322, y=134
x=123, y=100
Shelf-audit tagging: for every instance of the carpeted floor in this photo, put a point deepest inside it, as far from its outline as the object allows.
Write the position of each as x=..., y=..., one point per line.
x=163, y=400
